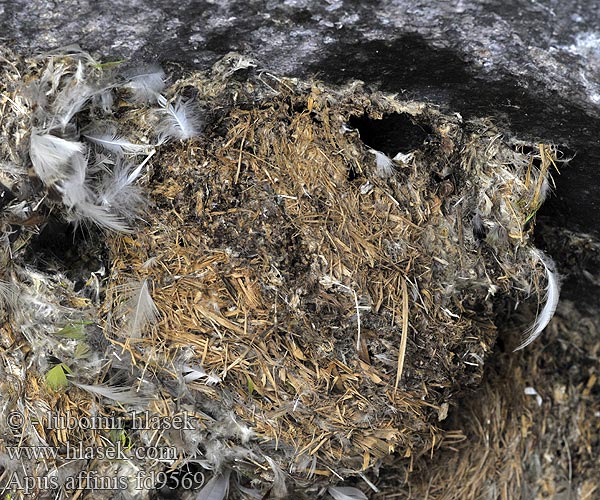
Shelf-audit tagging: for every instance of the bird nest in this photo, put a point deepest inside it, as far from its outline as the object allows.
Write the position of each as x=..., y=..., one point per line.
x=313, y=281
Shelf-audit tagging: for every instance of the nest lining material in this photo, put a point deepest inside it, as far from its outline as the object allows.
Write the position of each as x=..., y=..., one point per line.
x=318, y=305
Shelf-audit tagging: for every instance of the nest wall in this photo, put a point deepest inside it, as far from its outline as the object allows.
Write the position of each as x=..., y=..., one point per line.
x=315, y=304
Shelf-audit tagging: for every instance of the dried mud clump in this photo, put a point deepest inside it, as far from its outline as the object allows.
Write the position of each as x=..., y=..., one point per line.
x=314, y=304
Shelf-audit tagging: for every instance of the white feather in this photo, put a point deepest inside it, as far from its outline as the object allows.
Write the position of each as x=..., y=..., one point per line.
x=71, y=101
x=8, y=295
x=104, y=101
x=279, y=488
x=74, y=189
x=100, y=216
x=385, y=167
x=125, y=395
x=108, y=138
x=180, y=120
x=118, y=192
x=551, y=300
x=346, y=493
x=49, y=155
x=196, y=372
x=142, y=311
x=216, y=489
x=193, y=373
x=146, y=83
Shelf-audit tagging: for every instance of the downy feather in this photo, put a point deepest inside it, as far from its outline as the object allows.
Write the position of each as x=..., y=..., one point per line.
x=551, y=300
x=346, y=493
x=108, y=138
x=124, y=395
x=118, y=192
x=71, y=101
x=49, y=155
x=196, y=372
x=385, y=167
x=104, y=101
x=217, y=488
x=74, y=189
x=180, y=120
x=141, y=310
x=250, y=492
x=8, y=295
x=145, y=83
x=37, y=91
x=545, y=188
x=100, y=216
x=279, y=488
x=103, y=162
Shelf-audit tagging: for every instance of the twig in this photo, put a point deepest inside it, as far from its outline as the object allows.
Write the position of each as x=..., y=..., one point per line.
x=402, y=350
x=357, y=320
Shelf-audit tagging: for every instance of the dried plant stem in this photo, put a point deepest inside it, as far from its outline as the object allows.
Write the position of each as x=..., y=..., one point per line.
x=402, y=350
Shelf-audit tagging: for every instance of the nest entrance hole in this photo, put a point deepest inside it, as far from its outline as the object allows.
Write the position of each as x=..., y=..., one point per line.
x=60, y=245
x=394, y=133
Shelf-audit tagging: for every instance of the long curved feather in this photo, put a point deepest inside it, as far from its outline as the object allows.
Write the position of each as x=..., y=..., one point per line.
x=125, y=395
x=551, y=300
x=108, y=138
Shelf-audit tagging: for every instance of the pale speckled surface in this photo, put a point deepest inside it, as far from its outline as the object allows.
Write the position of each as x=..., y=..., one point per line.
x=544, y=42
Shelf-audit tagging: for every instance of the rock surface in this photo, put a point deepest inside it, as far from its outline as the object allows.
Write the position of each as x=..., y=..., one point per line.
x=532, y=65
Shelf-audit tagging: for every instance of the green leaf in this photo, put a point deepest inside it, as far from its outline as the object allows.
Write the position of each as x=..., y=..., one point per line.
x=56, y=377
x=121, y=436
x=109, y=64
x=74, y=331
x=82, y=350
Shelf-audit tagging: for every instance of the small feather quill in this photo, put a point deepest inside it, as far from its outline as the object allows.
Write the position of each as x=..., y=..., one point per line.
x=108, y=138
x=196, y=372
x=551, y=300
x=125, y=395
x=180, y=120
x=141, y=310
